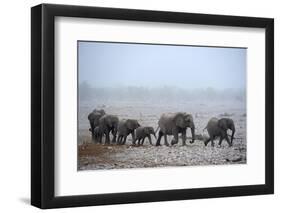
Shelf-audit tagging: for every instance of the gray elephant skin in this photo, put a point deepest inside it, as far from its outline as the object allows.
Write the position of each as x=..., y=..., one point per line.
x=93, y=118
x=107, y=124
x=125, y=128
x=97, y=134
x=218, y=128
x=143, y=132
x=174, y=124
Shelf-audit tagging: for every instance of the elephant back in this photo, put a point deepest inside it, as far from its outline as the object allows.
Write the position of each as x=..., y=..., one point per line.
x=109, y=120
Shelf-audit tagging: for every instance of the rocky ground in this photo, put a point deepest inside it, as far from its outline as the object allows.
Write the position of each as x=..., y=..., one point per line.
x=96, y=156
x=100, y=156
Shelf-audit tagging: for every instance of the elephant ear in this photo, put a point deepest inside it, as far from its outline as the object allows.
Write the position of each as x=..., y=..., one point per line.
x=91, y=116
x=179, y=120
x=222, y=124
x=230, y=124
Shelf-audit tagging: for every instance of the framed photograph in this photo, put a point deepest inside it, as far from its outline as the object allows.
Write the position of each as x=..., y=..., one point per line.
x=136, y=106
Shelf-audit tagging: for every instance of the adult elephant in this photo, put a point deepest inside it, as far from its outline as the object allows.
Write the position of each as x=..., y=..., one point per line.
x=173, y=124
x=93, y=118
x=125, y=128
x=107, y=124
x=218, y=128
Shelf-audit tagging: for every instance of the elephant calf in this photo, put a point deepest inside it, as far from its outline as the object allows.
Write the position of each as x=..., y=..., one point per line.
x=218, y=128
x=97, y=134
x=126, y=127
x=142, y=132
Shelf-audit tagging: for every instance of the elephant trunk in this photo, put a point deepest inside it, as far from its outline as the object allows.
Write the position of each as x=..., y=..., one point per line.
x=192, y=133
x=232, y=135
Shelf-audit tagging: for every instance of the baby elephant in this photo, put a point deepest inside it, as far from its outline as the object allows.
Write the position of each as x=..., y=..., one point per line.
x=142, y=132
x=97, y=134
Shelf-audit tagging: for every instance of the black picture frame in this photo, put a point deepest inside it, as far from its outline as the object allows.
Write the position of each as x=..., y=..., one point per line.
x=43, y=105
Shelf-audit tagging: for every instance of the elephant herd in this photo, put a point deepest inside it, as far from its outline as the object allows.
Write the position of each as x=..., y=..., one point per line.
x=175, y=124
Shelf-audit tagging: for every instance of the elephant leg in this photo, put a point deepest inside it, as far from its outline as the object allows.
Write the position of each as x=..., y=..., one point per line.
x=166, y=140
x=228, y=141
x=114, y=139
x=92, y=131
x=121, y=139
x=94, y=138
x=207, y=141
x=133, y=137
x=97, y=138
x=149, y=139
x=221, y=139
x=118, y=139
x=183, y=136
x=160, y=134
x=212, y=142
x=124, y=139
x=101, y=138
x=212, y=138
x=107, y=139
x=142, y=141
x=175, y=139
x=139, y=141
x=114, y=133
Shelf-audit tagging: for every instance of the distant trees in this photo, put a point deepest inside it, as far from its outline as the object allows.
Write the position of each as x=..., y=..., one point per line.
x=165, y=93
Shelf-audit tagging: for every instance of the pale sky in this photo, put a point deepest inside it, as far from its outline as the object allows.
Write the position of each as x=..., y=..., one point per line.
x=105, y=64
